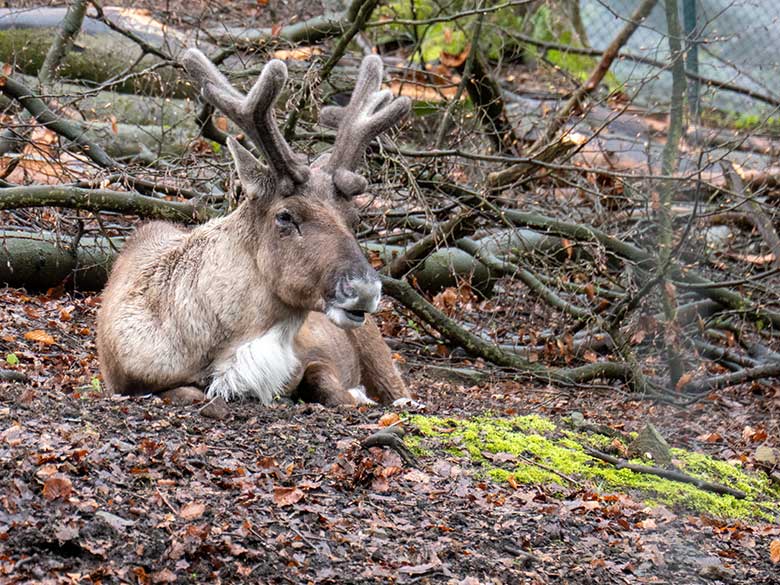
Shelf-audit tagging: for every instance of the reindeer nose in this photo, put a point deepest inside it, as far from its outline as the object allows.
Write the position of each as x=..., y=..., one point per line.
x=359, y=293
x=353, y=297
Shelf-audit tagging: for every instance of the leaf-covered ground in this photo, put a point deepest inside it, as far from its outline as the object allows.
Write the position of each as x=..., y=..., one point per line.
x=107, y=489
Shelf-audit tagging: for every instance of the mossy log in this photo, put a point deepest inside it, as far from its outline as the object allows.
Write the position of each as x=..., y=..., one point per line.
x=126, y=126
x=99, y=54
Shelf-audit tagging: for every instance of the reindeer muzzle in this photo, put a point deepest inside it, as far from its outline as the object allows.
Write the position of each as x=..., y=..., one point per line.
x=353, y=298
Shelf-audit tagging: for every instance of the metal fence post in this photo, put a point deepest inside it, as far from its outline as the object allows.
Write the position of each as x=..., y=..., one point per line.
x=691, y=53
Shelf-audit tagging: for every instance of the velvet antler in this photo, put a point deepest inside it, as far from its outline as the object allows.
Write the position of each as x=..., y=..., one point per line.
x=369, y=113
x=252, y=113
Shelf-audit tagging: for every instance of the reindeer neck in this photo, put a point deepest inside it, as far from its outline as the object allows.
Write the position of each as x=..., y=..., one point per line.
x=238, y=283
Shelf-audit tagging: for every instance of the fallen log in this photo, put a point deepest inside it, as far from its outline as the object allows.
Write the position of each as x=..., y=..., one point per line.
x=38, y=261
x=101, y=106
x=99, y=53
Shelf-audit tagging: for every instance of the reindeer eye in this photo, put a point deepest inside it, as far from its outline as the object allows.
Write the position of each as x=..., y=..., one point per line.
x=286, y=221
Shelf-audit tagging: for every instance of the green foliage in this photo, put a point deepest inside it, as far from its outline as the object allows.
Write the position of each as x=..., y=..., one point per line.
x=546, y=27
x=11, y=359
x=561, y=454
x=451, y=37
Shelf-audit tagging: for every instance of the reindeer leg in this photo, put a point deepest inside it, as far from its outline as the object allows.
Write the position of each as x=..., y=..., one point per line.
x=377, y=371
x=321, y=384
x=183, y=395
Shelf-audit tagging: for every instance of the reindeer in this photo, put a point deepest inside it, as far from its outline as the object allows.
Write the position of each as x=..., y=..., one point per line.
x=271, y=299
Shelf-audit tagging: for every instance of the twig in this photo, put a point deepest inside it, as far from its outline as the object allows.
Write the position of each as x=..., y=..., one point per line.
x=451, y=17
x=526, y=558
x=167, y=503
x=667, y=474
x=13, y=376
x=391, y=437
x=563, y=476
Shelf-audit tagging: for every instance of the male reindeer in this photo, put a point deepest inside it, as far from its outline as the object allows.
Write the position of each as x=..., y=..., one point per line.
x=271, y=298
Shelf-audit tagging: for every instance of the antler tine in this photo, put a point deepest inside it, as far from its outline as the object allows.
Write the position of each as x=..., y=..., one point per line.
x=252, y=113
x=369, y=113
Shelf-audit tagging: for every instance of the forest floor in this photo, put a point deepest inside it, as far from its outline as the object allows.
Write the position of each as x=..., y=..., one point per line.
x=95, y=488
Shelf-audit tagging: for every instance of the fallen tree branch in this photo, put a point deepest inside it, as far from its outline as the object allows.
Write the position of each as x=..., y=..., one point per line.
x=771, y=370
x=450, y=229
x=666, y=474
x=643, y=259
x=525, y=276
x=38, y=108
x=406, y=295
x=98, y=200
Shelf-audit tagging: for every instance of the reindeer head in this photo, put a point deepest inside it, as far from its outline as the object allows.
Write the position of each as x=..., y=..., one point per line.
x=301, y=213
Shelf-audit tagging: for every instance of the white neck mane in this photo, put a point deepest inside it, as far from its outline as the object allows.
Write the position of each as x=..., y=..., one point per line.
x=259, y=368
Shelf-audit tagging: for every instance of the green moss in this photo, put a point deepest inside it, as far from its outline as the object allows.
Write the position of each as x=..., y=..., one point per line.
x=414, y=443
x=561, y=453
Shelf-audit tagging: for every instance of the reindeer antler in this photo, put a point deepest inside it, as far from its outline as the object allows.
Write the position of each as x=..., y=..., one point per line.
x=252, y=113
x=369, y=113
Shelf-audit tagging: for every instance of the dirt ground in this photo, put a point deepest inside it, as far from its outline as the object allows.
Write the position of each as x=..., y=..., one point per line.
x=108, y=489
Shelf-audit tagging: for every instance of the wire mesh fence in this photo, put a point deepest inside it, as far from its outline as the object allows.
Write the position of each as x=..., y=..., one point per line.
x=732, y=60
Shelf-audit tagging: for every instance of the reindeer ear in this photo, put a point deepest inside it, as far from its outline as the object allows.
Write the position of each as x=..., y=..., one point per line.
x=349, y=184
x=251, y=172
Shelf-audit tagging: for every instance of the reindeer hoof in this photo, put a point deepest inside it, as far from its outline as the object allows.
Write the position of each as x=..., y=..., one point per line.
x=358, y=393
x=183, y=395
x=406, y=402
